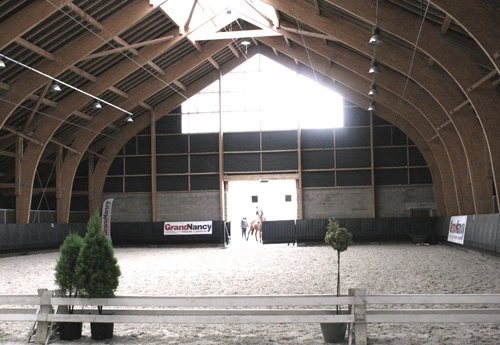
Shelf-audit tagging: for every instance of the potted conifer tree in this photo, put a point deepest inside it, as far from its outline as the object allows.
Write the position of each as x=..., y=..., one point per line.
x=340, y=239
x=66, y=280
x=97, y=272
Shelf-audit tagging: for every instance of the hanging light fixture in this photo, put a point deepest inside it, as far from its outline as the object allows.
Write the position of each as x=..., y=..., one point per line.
x=372, y=106
x=373, y=90
x=129, y=118
x=376, y=39
x=374, y=69
x=97, y=105
x=55, y=87
x=2, y=64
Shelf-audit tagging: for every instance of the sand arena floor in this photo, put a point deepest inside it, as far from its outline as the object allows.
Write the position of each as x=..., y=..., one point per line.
x=251, y=268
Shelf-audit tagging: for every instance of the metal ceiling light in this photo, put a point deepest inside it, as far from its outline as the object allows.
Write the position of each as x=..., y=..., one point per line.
x=376, y=39
x=373, y=90
x=374, y=69
x=372, y=106
x=97, y=105
x=55, y=87
x=2, y=64
x=129, y=118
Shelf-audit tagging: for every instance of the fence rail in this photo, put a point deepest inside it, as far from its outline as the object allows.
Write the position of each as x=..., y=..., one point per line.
x=43, y=310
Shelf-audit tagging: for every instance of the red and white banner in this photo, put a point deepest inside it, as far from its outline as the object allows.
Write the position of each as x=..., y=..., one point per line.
x=106, y=217
x=187, y=228
x=456, y=232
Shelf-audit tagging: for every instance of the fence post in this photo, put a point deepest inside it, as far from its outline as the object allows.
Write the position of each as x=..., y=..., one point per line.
x=359, y=311
x=42, y=327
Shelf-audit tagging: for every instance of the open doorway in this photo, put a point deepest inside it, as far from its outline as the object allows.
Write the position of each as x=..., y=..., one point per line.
x=276, y=198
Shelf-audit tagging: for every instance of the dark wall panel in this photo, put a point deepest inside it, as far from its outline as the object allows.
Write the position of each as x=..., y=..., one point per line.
x=279, y=140
x=137, y=184
x=171, y=144
x=352, y=137
x=316, y=138
x=356, y=116
x=318, y=179
x=391, y=177
x=353, y=158
x=205, y=182
x=116, y=167
x=321, y=159
x=169, y=124
x=144, y=145
x=139, y=165
x=204, y=142
x=275, y=161
x=171, y=164
x=242, y=141
x=420, y=176
x=415, y=157
x=390, y=157
x=172, y=183
x=242, y=162
x=113, y=185
x=354, y=178
x=204, y=163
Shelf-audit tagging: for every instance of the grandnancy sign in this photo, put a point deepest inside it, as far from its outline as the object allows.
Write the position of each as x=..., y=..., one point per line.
x=456, y=232
x=187, y=228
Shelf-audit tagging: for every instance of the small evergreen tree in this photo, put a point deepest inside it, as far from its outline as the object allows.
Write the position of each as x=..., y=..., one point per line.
x=97, y=269
x=65, y=268
x=340, y=239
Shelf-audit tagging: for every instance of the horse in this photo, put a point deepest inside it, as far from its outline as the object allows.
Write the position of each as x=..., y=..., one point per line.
x=255, y=225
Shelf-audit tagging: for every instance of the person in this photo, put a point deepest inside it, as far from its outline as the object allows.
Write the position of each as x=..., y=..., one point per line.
x=244, y=226
x=259, y=213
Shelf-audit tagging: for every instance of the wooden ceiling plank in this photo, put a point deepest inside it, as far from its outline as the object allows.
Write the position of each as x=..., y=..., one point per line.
x=85, y=16
x=4, y=86
x=235, y=52
x=157, y=68
x=121, y=49
x=460, y=106
x=318, y=11
x=34, y=48
x=22, y=135
x=180, y=85
x=83, y=115
x=119, y=92
x=446, y=25
x=126, y=45
x=69, y=148
x=44, y=100
x=307, y=33
x=83, y=74
x=146, y=106
x=482, y=80
x=37, y=106
x=213, y=62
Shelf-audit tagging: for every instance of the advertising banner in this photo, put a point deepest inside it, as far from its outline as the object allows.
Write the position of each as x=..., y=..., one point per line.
x=456, y=232
x=106, y=217
x=187, y=228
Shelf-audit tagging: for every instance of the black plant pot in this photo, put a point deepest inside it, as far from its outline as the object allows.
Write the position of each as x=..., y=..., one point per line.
x=70, y=330
x=333, y=332
x=101, y=330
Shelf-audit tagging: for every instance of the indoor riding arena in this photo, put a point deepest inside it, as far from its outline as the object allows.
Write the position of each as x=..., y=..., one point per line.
x=176, y=123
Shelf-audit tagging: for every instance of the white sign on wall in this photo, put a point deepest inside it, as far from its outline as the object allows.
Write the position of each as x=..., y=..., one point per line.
x=456, y=232
x=187, y=228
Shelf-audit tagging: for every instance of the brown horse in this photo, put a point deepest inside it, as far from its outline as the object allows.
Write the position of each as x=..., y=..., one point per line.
x=255, y=225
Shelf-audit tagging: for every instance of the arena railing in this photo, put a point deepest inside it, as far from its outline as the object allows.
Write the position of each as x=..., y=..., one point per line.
x=425, y=308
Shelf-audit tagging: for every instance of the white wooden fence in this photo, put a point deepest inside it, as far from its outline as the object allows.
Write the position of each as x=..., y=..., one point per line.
x=43, y=309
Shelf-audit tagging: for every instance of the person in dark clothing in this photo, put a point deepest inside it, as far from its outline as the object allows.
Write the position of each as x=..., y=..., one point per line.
x=259, y=213
x=244, y=226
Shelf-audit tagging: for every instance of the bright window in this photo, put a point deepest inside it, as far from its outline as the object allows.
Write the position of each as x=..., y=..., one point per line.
x=262, y=95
